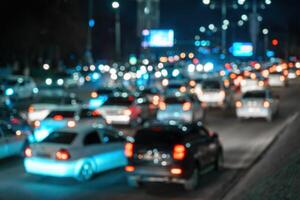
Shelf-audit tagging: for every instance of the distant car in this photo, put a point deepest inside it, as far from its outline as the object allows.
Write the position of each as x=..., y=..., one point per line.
x=20, y=87
x=78, y=152
x=213, y=94
x=292, y=73
x=125, y=110
x=277, y=80
x=257, y=104
x=153, y=95
x=99, y=96
x=43, y=105
x=185, y=108
x=65, y=116
x=176, y=89
x=12, y=142
x=172, y=154
x=65, y=79
x=252, y=84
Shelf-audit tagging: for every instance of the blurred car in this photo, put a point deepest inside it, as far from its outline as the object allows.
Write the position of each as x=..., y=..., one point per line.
x=292, y=73
x=43, y=105
x=20, y=87
x=125, y=110
x=12, y=142
x=277, y=79
x=172, y=154
x=65, y=79
x=11, y=116
x=175, y=89
x=212, y=94
x=78, y=152
x=98, y=97
x=257, y=104
x=252, y=84
x=185, y=108
x=65, y=116
x=153, y=95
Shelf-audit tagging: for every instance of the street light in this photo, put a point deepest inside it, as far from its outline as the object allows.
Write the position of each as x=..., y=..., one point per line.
x=116, y=5
x=265, y=32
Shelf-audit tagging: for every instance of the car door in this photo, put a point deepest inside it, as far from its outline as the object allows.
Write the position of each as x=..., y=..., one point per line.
x=115, y=146
x=14, y=142
x=210, y=144
x=3, y=146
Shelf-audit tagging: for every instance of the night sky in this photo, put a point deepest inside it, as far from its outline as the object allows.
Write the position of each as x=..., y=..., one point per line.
x=56, y=29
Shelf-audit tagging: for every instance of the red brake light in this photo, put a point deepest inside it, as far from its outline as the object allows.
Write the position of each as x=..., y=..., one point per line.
x=128, y=150
x=15, y=120
x=58, y=117
x=31, y=109
x=186, y=106
x=129, y=168
x=62, y=154
x=179, y=152
x=28, y=152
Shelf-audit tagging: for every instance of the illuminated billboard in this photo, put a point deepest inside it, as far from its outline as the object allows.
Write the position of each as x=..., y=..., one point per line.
x=242, y=49
x=158, y=38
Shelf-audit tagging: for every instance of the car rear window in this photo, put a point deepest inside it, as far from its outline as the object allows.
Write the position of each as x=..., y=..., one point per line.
x=105, y=92
x=258, y=94
x=87, y=113
x=120, y=101
x=59, y=137
x=157, y=136
x=174, y=100
x=211, y=85
x=64, y=114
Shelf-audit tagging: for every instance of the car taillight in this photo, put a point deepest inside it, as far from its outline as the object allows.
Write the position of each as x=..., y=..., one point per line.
x=58, y=117
x=31, y=109
x=261, y=83
x=222, y=94
x=162, y=106
x=179, y=152
x=186, y=106
x=36, y=124
x=266, y=104
x=129, y=168
x=238, y=104
x=28, y=152
x=282, y=78
x=15, y=120
x=62, y=154
x=128, y=150
x=71, y=124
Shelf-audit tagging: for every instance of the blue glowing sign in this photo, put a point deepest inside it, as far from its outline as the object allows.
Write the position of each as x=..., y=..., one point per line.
x=241, y=49
x=158, y=38
x=91, y=23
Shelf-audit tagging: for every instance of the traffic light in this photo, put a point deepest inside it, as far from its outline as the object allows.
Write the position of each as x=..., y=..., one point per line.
x=275, y=42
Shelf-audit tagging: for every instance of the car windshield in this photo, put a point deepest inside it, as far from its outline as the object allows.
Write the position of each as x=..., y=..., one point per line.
x=62, y=114
x=257, y=94
x=104, y=92
x=119, y=101
x=174, y=100
x=59, y=137
x=87, y=113
x=11, y=82
x=211, y=85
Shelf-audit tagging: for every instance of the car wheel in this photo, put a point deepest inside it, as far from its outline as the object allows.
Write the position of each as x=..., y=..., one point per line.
x=219, y=162
x=133, y=183
x=86, y=172
x=192, y=182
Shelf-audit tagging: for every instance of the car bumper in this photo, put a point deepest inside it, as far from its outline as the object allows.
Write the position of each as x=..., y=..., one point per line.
x=49, y=167
x=149, y=174
x=253, y=112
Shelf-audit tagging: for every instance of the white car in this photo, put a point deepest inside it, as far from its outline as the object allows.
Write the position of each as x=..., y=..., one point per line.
x=257, y=104
x=277, y=80
x=43, y=105
x=183, y=108
x=11, y=142
x=20, y=87
x=78, y=152
x=65, y=116
x=212, y=94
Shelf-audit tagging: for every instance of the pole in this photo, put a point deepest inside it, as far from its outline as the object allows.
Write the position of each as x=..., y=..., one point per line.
x=224, y=32
x=117, y=35
x=266, y=45
x=254, y=26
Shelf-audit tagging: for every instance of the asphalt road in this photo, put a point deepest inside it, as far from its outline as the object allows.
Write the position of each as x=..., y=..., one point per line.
x=244, y=142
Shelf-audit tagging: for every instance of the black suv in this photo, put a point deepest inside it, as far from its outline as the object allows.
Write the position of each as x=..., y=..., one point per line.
x=172, y=153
